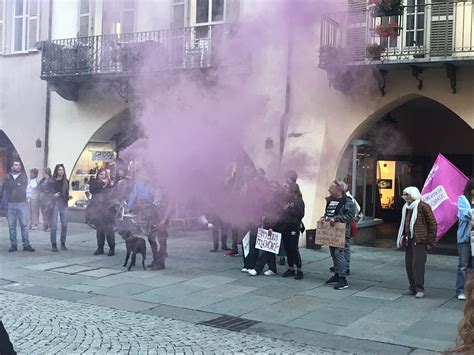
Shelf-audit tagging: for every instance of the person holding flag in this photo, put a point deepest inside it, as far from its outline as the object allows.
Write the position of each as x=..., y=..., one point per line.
x=465, y=216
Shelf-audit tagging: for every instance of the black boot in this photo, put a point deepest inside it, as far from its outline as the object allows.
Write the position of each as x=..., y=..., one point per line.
x=111, y=251
x=54, y=248
x=99, y=251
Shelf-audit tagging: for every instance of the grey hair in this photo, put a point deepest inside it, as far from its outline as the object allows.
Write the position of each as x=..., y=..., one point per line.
x=413, y=192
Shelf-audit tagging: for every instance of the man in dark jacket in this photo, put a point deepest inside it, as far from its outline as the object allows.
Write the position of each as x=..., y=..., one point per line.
x=339, y=208
x=14, y=185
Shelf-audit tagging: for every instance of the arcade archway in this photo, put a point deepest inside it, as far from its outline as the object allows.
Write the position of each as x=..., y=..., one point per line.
x=398, y=150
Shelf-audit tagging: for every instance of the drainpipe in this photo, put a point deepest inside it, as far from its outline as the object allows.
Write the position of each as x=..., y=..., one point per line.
x=48, y=94
x=286, y=116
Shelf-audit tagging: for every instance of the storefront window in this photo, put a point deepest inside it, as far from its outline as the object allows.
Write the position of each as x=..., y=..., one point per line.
x=95, y=156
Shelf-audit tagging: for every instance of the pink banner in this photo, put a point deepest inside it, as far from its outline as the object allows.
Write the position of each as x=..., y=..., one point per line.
x=444, y=184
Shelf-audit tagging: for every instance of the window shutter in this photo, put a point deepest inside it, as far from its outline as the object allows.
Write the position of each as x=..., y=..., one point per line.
x=441, y=34
x=33, y=23
x=2, y=21
x=232, y=11
x=357, y=29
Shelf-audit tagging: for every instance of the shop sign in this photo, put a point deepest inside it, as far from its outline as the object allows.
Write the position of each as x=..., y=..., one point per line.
x=107, y=156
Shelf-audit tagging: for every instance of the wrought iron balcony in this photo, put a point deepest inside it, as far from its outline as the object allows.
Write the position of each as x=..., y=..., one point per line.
x=417, y=32
x=126, y=54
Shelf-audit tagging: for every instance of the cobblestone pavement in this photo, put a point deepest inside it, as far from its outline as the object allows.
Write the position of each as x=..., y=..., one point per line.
x=39, y=325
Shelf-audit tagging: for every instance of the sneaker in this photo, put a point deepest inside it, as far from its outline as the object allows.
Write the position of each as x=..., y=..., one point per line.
x=289, y=273
x=409, y=292
x=232, y=253
x=245, y=270
x=341, y=284
x=29, y=248
x=111, y=252
x=54, y=248
x=212, y=250
x=332, y=269
x=299, y=275
x=462, y=297
x=282, y=260
x=334, y=279
x=12, y=249
x=269, y=273
x=420, y=294
x=99, y=251
x=63, y=246
x=252, y=272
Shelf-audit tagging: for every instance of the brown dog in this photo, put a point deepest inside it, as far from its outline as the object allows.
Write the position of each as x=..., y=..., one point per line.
x=134, y=245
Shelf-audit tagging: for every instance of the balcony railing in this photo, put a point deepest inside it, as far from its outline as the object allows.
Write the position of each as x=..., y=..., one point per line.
x=433, y=31
x=186, y=48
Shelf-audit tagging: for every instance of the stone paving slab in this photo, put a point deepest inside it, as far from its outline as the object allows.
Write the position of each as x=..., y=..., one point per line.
x=275, y=313
x=227, y=290
x=239, y=305
x=118, y=303
x=83, y=288
x=167, y=293
x=380, y=293
x=179, y=313
x=123, y=290
x=72, y=269
x=195, y=301
x=102, y=272
x=209, y=281
x=59, y=294
x=48, y=266
x=309, y=323
x=327, y=291
x=336, y=316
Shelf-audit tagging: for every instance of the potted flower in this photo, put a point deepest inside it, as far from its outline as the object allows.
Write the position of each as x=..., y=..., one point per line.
x=374, y=51
x=387, y=30
x=386, y=7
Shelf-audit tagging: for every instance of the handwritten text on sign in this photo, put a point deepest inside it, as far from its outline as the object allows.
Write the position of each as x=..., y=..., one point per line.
x=268, y=241
x=331, y=236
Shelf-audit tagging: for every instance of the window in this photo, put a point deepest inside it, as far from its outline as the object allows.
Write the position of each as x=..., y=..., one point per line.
x=85, y=18
x=119, y=16
x=210, y=11
x=25, y=31
x=415, y=23
x=179, y=13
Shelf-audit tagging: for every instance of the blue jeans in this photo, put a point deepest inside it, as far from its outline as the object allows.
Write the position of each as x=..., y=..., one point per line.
x=18, y=211
x=60, y=207
x=465, y=264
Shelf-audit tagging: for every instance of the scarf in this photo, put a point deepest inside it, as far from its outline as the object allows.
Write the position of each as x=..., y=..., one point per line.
x=414, y=214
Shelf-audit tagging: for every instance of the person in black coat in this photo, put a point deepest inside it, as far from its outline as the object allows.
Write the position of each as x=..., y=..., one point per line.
x=6, y=347
x=103, y=211
x=292, y=215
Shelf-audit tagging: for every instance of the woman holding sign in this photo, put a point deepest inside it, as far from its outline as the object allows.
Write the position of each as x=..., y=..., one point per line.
x=293, y=213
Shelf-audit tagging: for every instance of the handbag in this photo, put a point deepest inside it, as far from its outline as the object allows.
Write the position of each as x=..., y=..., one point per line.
x=353, y=229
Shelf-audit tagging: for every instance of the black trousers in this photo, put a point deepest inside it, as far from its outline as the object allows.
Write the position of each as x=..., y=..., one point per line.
x=415, y=260
x=159, y=236
x=6, y=347
x=105, y=231
x=291, y=237
x=251, y=260
x=265, y=257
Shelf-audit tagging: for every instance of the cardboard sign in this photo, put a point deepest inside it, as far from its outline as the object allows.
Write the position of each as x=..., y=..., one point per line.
x=246, y=244
x=268, y=241
x=331, y=236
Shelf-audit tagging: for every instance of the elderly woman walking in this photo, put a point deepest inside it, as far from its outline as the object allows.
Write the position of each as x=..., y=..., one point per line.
x=417, y=233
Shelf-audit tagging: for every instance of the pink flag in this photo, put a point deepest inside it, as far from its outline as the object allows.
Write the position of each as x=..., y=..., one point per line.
x=444, y=184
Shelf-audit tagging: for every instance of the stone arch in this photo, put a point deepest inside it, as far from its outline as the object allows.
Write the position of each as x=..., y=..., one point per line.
x=8, y=151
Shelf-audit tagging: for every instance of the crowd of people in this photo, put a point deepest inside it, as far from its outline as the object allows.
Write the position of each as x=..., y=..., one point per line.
x=255, y=202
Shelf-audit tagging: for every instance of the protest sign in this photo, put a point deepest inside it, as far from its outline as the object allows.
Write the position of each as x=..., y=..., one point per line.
x=331, y=236
x=268, y=241
x=445, y=183
x=246, y=244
